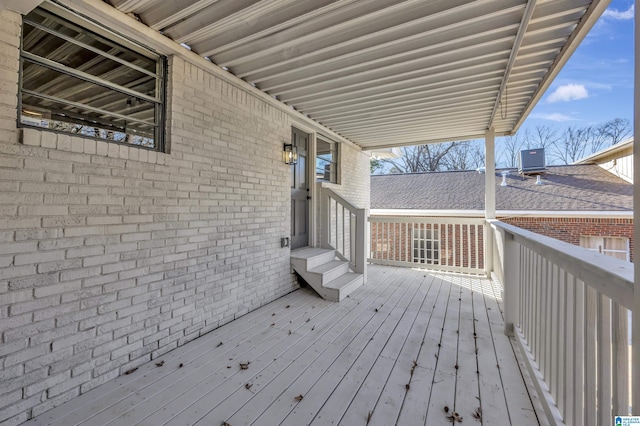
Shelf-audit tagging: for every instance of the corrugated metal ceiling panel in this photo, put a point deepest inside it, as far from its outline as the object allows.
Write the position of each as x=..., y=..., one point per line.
x=386, y=72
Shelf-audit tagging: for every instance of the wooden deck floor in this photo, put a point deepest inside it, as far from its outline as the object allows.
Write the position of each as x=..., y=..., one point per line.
x=397, y=351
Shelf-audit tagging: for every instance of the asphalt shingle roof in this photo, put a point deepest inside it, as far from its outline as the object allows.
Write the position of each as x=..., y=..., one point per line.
x=584, y=187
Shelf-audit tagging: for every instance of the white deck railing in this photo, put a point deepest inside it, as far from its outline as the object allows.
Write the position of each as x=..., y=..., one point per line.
x=569, y=309
x=344, y=229
x=447, y=244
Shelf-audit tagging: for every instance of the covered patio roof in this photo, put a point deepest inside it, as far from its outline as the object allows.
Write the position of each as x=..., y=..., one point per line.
x=386, y=73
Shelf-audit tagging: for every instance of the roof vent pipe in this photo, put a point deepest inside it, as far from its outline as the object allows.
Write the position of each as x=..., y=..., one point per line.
x=504, y=178
x=539, y=181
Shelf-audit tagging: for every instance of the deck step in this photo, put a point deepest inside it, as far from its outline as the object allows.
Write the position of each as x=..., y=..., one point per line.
x=328, y=276
x=346, y=284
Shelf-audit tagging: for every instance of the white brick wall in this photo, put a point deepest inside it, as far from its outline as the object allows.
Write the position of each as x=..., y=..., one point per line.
x=112, y=255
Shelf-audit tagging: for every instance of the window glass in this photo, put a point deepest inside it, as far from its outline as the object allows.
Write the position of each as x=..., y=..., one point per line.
x=426, y=244
x=327, y=161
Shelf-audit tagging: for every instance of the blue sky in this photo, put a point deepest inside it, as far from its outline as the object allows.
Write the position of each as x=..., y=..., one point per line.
x=596, y=84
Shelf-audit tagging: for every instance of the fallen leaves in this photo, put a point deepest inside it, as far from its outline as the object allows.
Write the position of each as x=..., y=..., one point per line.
x=219, y=344
x=244, y=365
x=160, y=363
x=369, y=416
x=131, y=370
x=299, y=398
x=455, y=417
x=181, y=365
x=478, y=414
x=248, y=385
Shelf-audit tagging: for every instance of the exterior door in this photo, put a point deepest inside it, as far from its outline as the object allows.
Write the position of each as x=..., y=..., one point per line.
x=300, y=192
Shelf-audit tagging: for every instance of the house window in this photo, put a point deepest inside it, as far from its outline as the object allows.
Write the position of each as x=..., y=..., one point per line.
x=611, y=246
x=81, y=79
x=327, y=161
x=426, y=245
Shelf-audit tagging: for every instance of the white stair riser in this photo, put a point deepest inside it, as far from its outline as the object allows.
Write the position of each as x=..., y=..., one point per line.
x=334, y=273
x=316, y=261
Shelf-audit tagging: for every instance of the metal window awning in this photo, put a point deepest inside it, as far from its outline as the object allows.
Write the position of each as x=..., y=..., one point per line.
x=386, y=73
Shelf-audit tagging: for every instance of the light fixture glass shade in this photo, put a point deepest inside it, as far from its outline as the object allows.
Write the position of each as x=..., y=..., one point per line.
x=290, y=154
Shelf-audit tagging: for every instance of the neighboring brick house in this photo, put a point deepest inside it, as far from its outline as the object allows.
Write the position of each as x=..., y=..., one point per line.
x=580, y=204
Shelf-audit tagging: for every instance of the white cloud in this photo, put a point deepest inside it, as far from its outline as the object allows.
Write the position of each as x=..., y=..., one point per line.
x=568, y=92
x=556, y=116
x=619, y=15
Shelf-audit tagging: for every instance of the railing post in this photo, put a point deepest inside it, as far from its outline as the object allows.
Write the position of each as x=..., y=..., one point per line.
x=511, y=271
x=362, y=242
x=325, y=205
x=488, y=233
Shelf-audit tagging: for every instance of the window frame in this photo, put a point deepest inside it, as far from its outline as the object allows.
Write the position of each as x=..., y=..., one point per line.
x=426, y=256
x=335, y=160
x=600, y=248
x=81, y=24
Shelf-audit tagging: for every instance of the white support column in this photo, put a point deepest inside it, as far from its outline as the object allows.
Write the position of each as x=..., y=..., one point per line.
x=490, y=175
x=635, y=365
x=489, y=196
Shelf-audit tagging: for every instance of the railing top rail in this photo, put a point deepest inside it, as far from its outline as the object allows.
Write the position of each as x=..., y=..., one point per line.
x=607, y=275
x=428, y=219
x=332, y=194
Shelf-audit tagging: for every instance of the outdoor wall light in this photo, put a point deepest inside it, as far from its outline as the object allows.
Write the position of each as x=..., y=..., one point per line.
x=290, y=154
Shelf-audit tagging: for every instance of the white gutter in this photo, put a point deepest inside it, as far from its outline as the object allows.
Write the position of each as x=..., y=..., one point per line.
x=625, y=214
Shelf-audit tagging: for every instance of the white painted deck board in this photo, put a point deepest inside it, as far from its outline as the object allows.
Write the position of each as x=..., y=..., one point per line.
x=346, y=359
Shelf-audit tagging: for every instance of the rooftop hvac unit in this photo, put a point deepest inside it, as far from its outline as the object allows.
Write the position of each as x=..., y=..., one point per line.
x=532, y=161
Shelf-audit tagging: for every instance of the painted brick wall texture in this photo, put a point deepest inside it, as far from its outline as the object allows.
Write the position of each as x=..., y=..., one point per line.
x=111, y=255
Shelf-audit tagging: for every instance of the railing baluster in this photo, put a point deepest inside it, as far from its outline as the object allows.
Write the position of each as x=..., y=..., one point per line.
x=570, y=353
x=561, y=342
x=554, y=345
x=548, y=320
x=343, y=230
x=590, y=412
x=620, y=361
x=544, y=320
x=580, y=355
x=536, y=321
x=468, y=227
x=604, y=359
x=407, y=242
